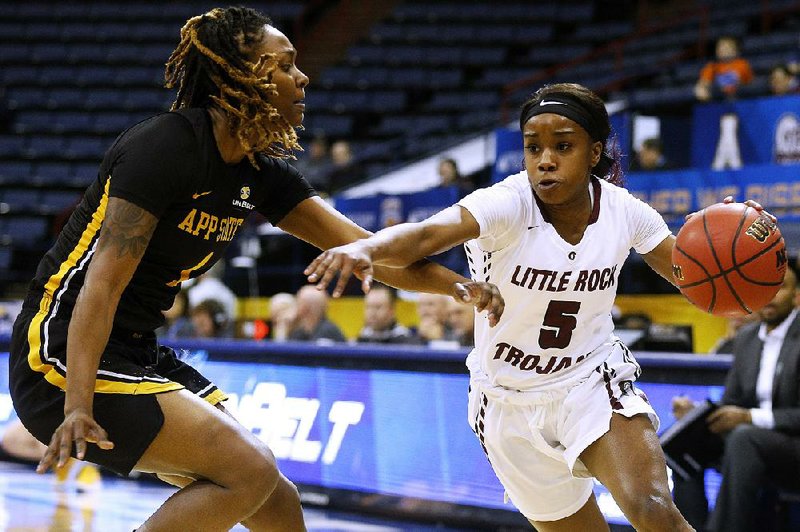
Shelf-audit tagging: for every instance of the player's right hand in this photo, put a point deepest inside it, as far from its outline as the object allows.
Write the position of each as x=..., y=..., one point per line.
x=78, y=428
x=483, y=296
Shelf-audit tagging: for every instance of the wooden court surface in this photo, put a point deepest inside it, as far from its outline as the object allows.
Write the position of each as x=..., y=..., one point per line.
x=37, y=503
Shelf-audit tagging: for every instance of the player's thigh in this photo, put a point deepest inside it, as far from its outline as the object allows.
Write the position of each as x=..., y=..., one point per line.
x=628, y=459
x=198, y=441
x=589, y=517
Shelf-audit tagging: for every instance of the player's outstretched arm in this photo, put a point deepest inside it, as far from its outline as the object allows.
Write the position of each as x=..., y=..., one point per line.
x=321, y=225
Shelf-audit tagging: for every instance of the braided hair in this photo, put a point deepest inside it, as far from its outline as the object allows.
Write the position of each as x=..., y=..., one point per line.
x=211, y=67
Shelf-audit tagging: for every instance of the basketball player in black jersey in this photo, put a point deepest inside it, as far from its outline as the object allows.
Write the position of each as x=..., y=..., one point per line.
x=171, y=194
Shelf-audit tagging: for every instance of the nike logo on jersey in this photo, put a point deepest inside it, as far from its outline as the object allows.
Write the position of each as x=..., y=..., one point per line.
x=550, y=102
x=198, y=194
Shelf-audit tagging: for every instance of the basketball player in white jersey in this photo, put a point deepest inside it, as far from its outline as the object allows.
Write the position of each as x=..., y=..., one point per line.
x=552, y=396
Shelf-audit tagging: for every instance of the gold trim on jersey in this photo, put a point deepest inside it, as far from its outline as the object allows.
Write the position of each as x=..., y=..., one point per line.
x=186, y=273
x=215, y=397
x=48, y=306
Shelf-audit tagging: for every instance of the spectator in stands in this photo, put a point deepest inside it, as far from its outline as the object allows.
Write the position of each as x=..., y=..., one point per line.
x=552, y=400
x=282, y=316
x=760, y=419
x=172, y=192
x=650, y=157
x=312, y=323
x=462, y=323
x=725, y=344
x=178, y=321
x=209, y=320
x=449, y=176
x=380, y=318
x=782, y=81
x=722, y=78
x=210, y=286
x=432, y=311
x=345, y=170
x=315, y=164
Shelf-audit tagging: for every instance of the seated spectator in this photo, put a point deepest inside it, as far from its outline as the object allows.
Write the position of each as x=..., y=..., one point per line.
x=725, y=344
x=311, y=323
x=782, y=81
x=650, y=157
x=432, y=310
x=449, y=176
x=461, y=318
x=315, y=164
x=345, y=170
x=210, y=286
x=380, y=318
x=178, y=322
x=282, y=316
x=760, y=420
x=210, y=320
x=722, y=78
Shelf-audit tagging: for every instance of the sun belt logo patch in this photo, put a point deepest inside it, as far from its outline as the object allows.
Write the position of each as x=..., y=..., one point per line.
x=244, y=193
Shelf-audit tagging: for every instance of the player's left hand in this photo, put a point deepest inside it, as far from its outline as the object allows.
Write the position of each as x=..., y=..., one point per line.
x=345, y=260
x=727, y=418
x=484, y=296
x=750, y=203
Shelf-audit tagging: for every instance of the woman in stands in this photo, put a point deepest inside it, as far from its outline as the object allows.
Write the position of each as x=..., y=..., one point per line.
x=171, y=194
x=552, y=396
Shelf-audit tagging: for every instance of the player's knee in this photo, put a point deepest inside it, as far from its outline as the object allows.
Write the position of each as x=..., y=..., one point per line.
x=653, y=511
x=258, y=471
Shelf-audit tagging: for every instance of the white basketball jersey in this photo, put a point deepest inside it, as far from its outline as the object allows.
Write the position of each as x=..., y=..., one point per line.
x=558, y=296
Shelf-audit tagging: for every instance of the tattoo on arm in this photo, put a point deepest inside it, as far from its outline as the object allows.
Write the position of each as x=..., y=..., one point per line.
x=127, y=229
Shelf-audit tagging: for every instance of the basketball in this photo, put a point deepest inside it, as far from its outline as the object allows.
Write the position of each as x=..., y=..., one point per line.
x=729, y=259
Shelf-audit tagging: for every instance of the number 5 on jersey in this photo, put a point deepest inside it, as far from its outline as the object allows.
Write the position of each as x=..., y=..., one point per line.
x=558, y=324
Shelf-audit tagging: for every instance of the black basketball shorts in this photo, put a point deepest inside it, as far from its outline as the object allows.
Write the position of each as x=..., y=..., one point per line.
x=133, y=368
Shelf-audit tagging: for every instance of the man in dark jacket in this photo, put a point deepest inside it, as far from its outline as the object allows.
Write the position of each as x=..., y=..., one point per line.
x=760, y=419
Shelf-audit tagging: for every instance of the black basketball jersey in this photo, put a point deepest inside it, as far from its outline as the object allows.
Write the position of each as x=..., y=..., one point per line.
x=170, y=166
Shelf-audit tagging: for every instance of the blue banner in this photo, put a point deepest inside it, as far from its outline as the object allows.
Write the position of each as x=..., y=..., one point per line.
x=383, y=210
x=398, y=433
x=761, y=130
x=508, y=153
x=679, y=192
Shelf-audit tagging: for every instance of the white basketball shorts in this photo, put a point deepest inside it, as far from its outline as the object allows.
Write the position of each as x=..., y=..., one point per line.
x=534, y=439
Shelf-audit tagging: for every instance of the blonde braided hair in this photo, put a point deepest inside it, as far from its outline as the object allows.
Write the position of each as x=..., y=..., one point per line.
x=210, y=68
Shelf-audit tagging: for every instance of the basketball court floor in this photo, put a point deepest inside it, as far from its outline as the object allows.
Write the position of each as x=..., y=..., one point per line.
x=35, y=503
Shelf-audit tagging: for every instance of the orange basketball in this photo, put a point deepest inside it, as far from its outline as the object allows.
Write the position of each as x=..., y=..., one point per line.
x=729, y=260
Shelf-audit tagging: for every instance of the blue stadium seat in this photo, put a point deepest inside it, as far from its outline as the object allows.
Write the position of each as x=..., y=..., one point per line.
x=85, y=148
x=59, y=200
x=95, y=76
x=80, y=32
x=11, y=52
x=124, y=53
x=146, y=100
x=11, y=145
x=331, y=125
x=112, y=123
x=44, y=147
x=86, y=53
x=33, y=121
x=73, y=122
x=19, y=74
x=15, y=171
x=48, y=53
x=21, y=198
x=65, y=98
x=25, y=98
x=53, y=173
x=386, y=101
x=349, y=101
x=104, y=99
x=85, y=173
x=5, y=257
x=43, y=31
x=26, y=231
x=129, y=76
